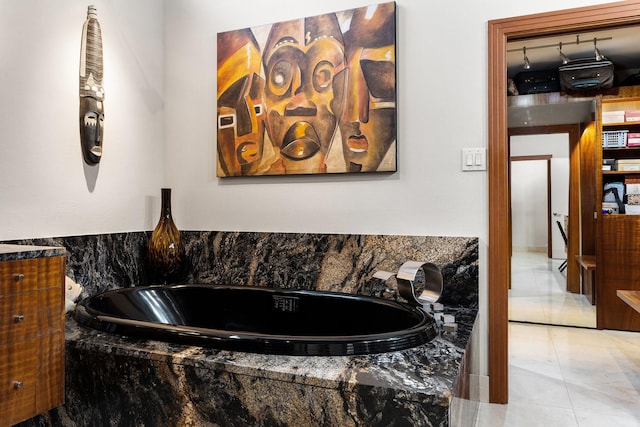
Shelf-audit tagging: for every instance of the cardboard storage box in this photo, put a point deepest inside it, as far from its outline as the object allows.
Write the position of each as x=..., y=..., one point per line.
x=633, y=185
x=632, y=209
x=633, y=199
x=633, y=139
x=613, y=116
x=628, y=165
x=633, y=188
x=632, y=116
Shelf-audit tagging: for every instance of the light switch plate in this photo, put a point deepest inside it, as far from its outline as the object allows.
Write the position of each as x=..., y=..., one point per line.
x=474, y=159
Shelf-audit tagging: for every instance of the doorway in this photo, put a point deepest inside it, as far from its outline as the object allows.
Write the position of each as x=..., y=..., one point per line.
x=499, y=248
x=539, y=173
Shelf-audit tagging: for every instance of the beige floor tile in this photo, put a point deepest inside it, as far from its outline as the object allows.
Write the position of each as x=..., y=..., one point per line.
x=597, y=418
x=563, y=376
x=531, y=415
x=538, y=294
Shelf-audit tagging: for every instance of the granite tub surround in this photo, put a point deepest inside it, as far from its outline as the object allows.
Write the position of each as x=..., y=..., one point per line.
x=116, y=380
x=329, y=262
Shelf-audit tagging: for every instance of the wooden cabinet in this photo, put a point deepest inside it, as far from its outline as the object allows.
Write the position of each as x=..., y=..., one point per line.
x=31, y=337
x=618, y=235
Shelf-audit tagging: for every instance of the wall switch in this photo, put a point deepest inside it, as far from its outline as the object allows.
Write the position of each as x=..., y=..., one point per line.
x=469, y=160
x=474, y=159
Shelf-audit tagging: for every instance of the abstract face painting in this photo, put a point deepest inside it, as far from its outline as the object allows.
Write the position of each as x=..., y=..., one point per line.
x=240, y=105
x=301, y=61
x=298, y=72
x=368, y=122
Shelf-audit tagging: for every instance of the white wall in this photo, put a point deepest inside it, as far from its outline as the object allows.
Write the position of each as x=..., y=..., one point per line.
x=529, y=205
x=427, y=196
x=45, y=187
x=529, y=191
x=160, y=113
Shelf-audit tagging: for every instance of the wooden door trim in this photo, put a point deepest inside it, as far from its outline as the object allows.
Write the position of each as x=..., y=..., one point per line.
x=499, y=271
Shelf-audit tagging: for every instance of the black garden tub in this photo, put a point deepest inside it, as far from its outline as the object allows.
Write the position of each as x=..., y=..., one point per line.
x=259, y=320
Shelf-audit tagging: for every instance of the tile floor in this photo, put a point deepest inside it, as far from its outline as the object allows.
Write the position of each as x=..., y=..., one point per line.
x=567, y=376
x=538, y=293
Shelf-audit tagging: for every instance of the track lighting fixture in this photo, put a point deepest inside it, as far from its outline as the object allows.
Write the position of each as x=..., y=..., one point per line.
x=565, y=59
x=527, y=65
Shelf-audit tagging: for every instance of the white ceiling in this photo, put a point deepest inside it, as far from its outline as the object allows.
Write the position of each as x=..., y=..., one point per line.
x=623, y=49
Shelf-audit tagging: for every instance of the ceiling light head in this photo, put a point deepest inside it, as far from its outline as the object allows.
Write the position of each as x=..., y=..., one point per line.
x=596, y=51
x=527, y=65
x=565, y=59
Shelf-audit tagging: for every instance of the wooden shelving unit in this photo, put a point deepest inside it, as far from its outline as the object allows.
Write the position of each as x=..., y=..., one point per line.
x=617, y=235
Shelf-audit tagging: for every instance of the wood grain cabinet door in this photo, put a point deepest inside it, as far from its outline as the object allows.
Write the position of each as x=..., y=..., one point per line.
x=31, y=337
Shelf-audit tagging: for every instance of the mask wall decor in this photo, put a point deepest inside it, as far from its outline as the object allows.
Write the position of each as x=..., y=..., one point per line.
x=91, y=90
x=308, y=96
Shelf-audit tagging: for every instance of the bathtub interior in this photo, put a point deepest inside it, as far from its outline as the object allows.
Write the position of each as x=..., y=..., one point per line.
x=260, y=310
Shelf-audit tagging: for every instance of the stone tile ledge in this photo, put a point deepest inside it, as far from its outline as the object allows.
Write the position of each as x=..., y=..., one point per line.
x=10, y=252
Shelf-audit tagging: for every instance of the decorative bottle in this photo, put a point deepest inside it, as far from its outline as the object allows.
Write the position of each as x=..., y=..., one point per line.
x=165, y=252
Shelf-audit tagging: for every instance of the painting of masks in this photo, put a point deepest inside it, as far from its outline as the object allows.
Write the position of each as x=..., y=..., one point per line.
x=91, y=90
x=314, y=95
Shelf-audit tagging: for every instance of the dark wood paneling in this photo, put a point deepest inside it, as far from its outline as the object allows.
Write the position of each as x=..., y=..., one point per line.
x=588, y=190
x=618, y=257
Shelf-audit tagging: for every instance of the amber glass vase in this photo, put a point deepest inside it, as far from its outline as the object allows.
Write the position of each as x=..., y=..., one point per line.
x=165, y=252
